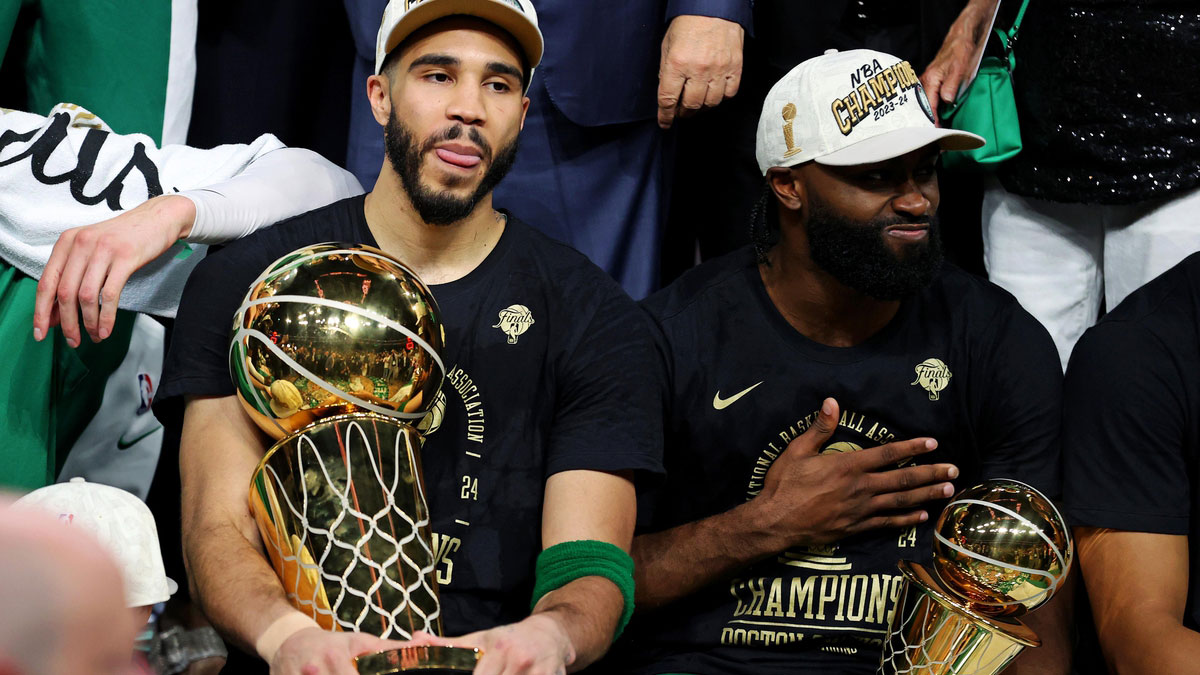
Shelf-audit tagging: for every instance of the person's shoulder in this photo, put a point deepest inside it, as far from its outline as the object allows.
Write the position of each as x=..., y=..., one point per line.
x=1156, y=323
x=705, y=287
x=1169, y=297
x=969, y=292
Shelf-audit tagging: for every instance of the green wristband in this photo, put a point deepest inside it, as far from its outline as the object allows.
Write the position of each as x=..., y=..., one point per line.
x=563, y=563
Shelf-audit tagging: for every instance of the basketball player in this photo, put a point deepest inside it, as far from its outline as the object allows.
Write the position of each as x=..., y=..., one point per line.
x=795, y=371
x=1131, y=434
x=547, y=415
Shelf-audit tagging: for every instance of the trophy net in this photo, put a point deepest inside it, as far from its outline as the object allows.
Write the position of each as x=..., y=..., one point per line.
x=345, y=524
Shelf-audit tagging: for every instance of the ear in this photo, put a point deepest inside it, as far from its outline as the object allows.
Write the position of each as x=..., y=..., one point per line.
x=379, y=94
x=788, y=188
x=524, y=111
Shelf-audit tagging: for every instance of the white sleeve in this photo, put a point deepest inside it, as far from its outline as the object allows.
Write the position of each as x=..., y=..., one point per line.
x=276, y=185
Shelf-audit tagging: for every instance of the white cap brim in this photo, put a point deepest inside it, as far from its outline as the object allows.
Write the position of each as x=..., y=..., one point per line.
x=892, y=144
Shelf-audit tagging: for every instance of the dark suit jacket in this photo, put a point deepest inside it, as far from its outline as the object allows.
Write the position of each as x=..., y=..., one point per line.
x=602, y=56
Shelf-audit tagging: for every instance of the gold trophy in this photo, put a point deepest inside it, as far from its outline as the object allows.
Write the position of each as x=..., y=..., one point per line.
x=1001, y=549
x=335, y=354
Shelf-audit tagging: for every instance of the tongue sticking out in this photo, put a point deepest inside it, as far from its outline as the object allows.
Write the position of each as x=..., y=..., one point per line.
x=465, y=161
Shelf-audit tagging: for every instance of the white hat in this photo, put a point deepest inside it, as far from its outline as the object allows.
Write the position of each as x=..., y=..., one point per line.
x=403, y=17
x=848, y=108
x=122, y=523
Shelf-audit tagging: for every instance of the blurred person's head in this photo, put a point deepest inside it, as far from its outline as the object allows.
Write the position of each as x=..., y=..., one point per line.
x=123, y=525
x=449, y=90
x=62, y=609
x=849, y=148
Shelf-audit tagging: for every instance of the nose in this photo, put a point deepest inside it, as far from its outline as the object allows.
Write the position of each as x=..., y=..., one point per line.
x=912, y=200
x=466, y=105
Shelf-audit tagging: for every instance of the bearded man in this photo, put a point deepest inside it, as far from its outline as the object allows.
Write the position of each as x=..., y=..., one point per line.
x=541, y=434
x=821, y=390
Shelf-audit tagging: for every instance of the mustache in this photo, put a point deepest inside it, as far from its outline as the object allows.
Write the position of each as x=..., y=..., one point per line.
x=453, y=134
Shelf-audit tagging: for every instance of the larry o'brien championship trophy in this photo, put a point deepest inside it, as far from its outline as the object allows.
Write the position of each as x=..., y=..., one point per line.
x=335, y=354
x=1000, y=549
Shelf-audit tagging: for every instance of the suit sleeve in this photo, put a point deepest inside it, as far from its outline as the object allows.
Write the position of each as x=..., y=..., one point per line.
x=1124, y=433
x=738, y=11
x=1020, y=406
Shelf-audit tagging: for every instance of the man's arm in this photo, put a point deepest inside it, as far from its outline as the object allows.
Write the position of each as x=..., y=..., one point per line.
x=701, y=62
x=571, y=627
x=238, y=590
x=1138, y=585
x=807, y=498
x=90, y=265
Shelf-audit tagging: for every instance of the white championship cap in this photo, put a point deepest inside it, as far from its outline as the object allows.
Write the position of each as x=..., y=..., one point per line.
x=122, y=524
x=848, y=108
x=403, y=17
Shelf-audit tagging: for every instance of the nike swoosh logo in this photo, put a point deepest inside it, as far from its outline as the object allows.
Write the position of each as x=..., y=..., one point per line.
x=123, y=444
x=723, y=403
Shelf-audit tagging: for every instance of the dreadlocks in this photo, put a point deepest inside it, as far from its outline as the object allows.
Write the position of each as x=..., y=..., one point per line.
x=764, y=224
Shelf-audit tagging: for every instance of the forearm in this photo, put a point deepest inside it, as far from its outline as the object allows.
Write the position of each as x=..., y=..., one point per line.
x=1153, y=645
x=587, y=610
x=237, y=588
x=277, y=185
x=677, y=562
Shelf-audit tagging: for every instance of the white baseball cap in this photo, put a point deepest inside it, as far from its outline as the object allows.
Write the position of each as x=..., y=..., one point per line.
x=402, y=18
x=121, y=522
x=848, y=108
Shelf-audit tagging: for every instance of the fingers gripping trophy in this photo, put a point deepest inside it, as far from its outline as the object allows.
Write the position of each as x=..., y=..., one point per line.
x=1001, y=549
x=335, y=354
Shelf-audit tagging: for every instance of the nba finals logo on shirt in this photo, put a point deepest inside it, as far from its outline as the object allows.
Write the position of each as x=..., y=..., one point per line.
x=514, y=321
x=933, y=375
x=875, y=92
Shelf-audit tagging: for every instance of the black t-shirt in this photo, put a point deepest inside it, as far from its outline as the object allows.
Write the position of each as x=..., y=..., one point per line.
x=569, y=393
x=961, y=362
x=1131, y=417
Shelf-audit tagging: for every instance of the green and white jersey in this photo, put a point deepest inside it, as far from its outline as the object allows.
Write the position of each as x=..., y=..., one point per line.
x=131, y=62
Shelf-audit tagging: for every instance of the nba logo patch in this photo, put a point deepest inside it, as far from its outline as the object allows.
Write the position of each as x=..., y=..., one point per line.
x=145, y=392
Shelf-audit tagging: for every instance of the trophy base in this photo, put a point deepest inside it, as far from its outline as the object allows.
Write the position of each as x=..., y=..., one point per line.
x=420, y=659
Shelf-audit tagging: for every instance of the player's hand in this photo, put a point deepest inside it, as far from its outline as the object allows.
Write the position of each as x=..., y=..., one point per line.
x=810, y=498
x=89, y=266
x=945, y=74
x=314, y=651
x=701, y=65
x=537, y=645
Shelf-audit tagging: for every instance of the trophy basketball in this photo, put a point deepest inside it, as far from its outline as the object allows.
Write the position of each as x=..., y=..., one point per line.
x=1001, y=549
x=335, y=354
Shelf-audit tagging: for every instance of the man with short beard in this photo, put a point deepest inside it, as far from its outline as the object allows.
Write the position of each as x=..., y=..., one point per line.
x=543, y=427
x=822, y=389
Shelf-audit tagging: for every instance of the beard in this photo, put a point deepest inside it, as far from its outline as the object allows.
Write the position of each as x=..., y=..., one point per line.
x=857, y=255
x=442, y=207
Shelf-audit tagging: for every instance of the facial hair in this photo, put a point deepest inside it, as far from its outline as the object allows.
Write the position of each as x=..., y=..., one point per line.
x=857, y=255
x=442, y=207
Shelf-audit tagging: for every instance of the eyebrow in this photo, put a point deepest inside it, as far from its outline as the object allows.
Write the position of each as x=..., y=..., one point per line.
x=434, y=60
x=501, y=68
x=446, y=60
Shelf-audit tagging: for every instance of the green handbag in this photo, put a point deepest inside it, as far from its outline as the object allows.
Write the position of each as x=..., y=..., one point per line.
x=988, y=108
